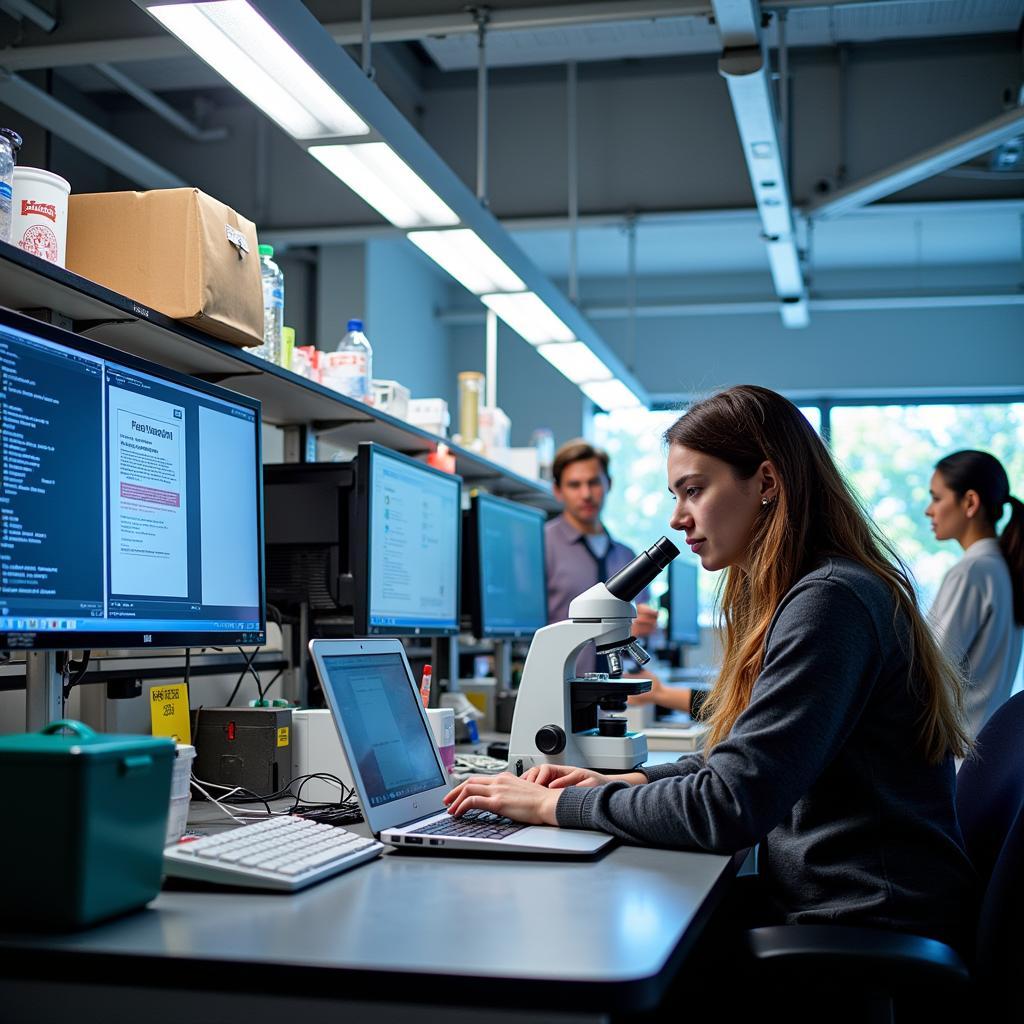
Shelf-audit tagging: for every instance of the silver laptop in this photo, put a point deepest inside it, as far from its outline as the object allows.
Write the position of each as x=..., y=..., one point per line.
x=396, y=766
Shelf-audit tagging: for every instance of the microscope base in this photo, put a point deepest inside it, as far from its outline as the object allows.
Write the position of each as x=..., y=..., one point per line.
x=611, y=753
x=589, y=750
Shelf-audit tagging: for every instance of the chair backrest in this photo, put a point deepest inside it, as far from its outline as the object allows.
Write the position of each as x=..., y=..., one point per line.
x=990, y=806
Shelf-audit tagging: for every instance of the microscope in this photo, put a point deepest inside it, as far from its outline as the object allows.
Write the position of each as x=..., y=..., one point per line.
x=561, y=719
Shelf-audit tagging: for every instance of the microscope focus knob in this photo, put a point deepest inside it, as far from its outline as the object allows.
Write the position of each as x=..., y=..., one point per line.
x=550, y=739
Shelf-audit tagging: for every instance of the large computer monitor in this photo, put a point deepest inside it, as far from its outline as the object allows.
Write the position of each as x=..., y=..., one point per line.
x=504, y=581
x=683, y=628
x=130, y=500
x=371, y=545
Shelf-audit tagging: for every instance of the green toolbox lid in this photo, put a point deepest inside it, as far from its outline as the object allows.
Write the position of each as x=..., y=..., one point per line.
x=80, y=740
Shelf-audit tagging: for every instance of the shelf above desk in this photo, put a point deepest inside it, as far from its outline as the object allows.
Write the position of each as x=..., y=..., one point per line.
x=28, y=283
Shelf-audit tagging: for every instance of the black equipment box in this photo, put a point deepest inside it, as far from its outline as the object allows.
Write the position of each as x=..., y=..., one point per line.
x=246, y=747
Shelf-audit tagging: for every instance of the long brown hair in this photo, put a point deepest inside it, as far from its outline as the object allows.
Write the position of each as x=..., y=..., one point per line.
x=815, y=515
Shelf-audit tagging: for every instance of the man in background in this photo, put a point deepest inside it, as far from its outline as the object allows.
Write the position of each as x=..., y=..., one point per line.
x=580, y=552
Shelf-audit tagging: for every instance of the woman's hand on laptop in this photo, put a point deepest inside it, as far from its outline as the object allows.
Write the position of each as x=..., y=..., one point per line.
x=558, y=776
x=505, y=794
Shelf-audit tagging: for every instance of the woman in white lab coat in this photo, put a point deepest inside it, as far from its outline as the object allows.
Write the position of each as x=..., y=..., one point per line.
x=979, y=610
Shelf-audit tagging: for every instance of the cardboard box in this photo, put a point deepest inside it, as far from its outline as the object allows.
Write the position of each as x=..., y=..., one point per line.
x=175, y=250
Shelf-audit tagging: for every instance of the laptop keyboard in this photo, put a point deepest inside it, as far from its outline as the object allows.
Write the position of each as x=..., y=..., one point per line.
x=473, y=825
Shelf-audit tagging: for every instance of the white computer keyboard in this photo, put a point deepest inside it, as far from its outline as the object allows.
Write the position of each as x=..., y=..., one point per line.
x=283, y=853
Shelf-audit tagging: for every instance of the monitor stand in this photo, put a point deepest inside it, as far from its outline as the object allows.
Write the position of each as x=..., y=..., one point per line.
x=44, y=690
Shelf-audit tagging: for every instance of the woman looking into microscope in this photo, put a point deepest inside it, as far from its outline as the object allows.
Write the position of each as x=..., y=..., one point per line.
x=835, y=718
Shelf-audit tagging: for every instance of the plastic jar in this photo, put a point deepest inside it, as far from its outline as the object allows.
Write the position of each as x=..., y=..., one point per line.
x=471, y=396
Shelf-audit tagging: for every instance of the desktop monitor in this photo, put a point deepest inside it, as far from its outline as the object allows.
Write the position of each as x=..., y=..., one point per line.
x=405, y=546
x=370, y=545
x=504, y=582
x=130, y=500
x=683, y=629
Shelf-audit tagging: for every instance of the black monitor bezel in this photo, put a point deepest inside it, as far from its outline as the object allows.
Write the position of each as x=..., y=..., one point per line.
x=359, y=545
x=110, y=639
x=674, y=567
x=473, y=556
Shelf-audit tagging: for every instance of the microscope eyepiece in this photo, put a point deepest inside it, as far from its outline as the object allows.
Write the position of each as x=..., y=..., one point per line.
x=632, y=578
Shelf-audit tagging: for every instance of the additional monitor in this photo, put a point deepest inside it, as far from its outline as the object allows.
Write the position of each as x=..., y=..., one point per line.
x=406, y=553
x=683, y=629
x=130, y=500
x=372, y=545
x=504, y=583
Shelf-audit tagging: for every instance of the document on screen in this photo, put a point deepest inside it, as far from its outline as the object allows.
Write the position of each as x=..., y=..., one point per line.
x=148, y=499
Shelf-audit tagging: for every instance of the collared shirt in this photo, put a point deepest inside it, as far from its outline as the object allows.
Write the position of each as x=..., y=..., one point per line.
x=572, y=568
x=973, y=620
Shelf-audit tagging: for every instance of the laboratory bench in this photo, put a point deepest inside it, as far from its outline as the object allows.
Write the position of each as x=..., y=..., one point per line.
x=452, y=937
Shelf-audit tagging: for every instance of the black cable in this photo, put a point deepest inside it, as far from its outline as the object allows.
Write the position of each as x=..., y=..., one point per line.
x=248, y=667
x=248, y=664
x=188, y=665
x=274, y=679
x=78, y=668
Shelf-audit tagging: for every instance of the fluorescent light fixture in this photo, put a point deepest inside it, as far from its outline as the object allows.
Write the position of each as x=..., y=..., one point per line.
x=464, y=255
x=528, y=317
x=611, y=395
x=576, y=361
x=784, y=261
x=378, y=175
x=795, y=312
x=239, y=45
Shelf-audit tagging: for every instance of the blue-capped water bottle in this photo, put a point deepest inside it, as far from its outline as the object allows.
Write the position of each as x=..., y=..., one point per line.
x=352, y=365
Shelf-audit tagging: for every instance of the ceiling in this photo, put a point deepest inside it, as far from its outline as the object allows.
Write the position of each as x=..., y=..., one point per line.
x=826, y=25
x=727, y=242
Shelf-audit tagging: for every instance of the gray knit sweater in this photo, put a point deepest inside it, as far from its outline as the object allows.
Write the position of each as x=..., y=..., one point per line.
x=823, y=768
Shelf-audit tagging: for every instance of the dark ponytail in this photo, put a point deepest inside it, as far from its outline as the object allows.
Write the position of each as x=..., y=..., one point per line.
x=1011, y=540
x=983, y=473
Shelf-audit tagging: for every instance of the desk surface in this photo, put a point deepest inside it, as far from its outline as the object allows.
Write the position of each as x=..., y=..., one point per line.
x=610, y=931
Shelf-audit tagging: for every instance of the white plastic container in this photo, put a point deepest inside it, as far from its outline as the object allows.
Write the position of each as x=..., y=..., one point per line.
x=442, y=725
x=430, y=414
x=39, y=218
x=181, y=792
x=391, y=397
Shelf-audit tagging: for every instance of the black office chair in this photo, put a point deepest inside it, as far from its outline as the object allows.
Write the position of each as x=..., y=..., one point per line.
x=883, y=966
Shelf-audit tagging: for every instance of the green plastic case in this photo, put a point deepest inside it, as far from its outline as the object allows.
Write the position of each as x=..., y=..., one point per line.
x=89, y=819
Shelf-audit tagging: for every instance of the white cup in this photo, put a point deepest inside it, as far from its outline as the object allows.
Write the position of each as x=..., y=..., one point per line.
x=39, y=213
x=442, y=725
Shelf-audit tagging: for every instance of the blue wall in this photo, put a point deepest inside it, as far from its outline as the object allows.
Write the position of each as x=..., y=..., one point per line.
x=404, y=292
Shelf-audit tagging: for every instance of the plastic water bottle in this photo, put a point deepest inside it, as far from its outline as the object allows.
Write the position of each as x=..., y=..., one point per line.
x=273, y=306
x=10, y=143
x=352, y=363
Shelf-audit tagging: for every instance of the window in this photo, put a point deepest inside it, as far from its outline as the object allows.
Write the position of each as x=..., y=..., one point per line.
x=888, y=453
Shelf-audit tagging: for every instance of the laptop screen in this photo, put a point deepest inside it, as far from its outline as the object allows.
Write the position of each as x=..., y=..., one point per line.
x=390, y=741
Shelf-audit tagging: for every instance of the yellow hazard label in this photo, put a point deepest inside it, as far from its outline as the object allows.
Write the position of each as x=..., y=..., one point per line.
x=282, y=736
x=168, y=712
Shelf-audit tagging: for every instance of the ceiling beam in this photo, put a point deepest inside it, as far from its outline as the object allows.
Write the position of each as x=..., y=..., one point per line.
x=397, y=30
x=763, y=307
x=921, y=166
x=67, y=124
